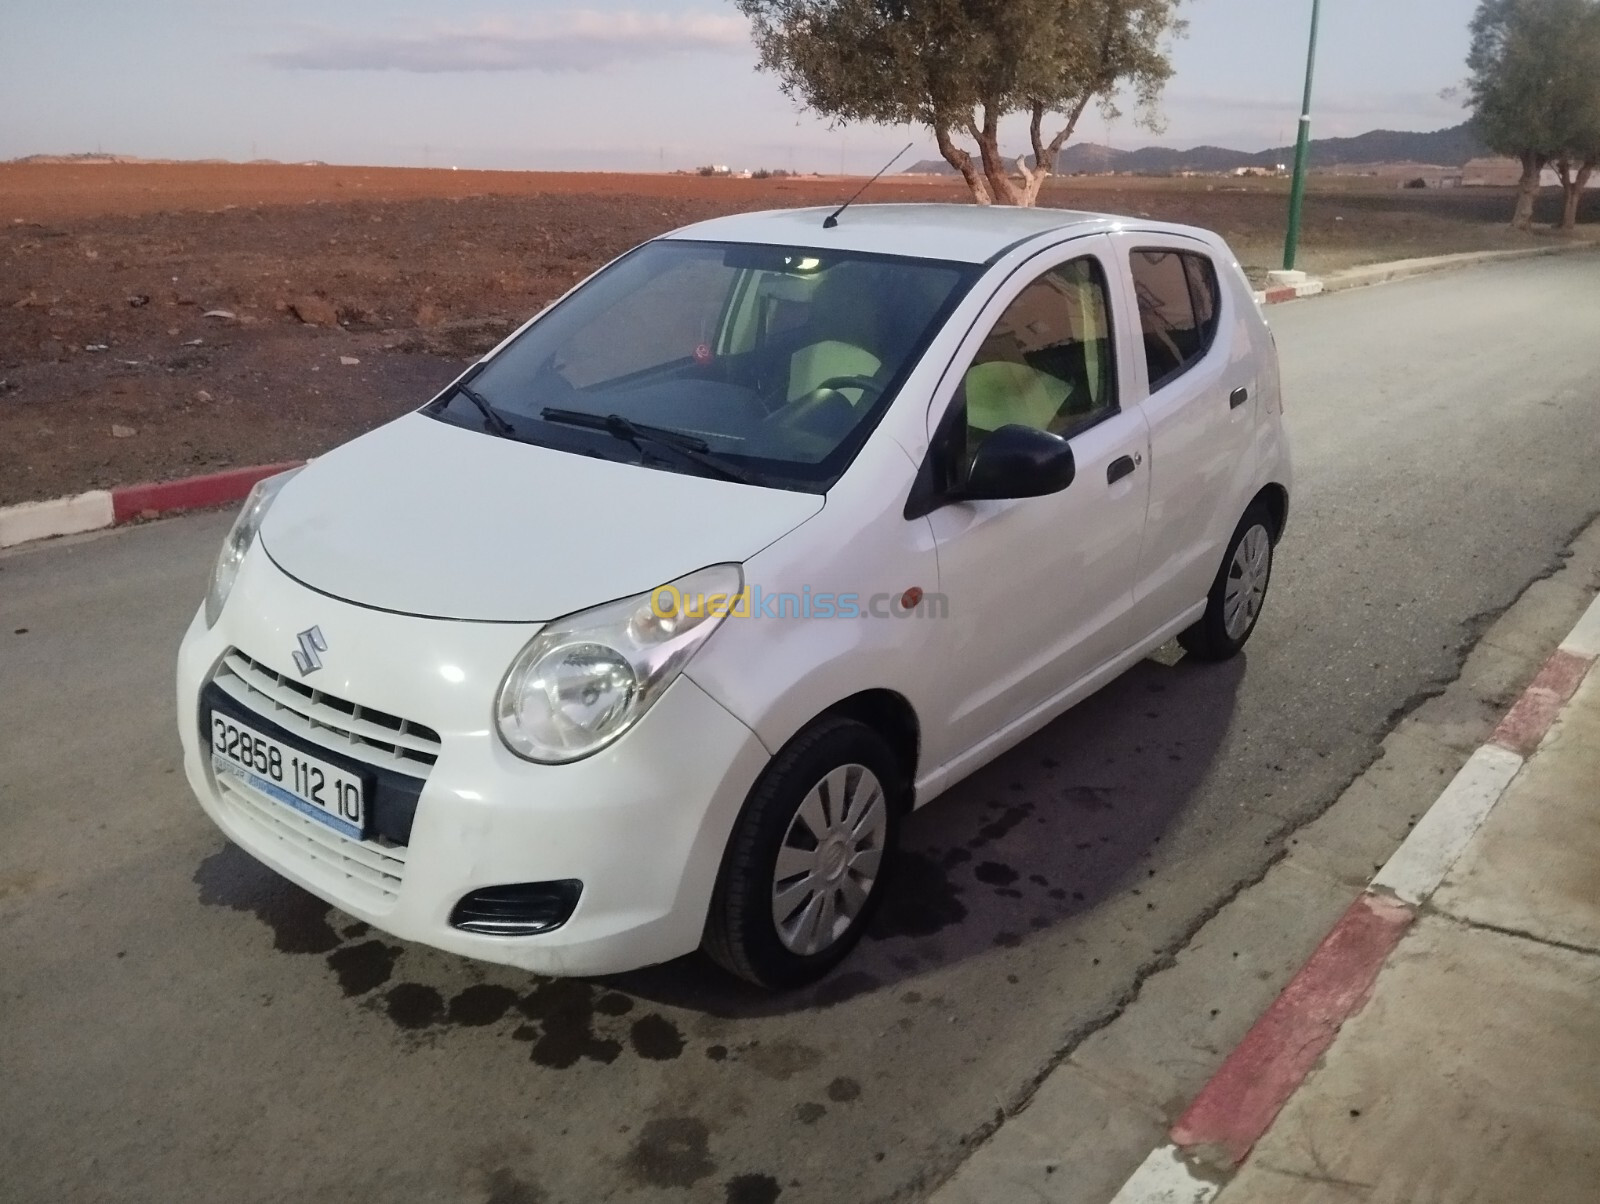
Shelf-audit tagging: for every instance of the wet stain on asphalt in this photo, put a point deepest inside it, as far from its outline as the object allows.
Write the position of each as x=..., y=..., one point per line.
x=1089, y=798
x=994, y=873
x=481, y=1004
x=1001, y=826
x=656, y=1038
x=613, y=1003
x=922, y=900
x=299, y=921
x=842, y=1090
x=506, y=1188
x=412, y=1006
x=781, y=1059
x=809, y=1113
x=752, y=1189
x=364, y=967
x=671, y=1152
x=564, y=1009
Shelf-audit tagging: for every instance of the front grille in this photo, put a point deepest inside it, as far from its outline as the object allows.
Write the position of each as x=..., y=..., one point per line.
x=362, y=871
x=372, y=735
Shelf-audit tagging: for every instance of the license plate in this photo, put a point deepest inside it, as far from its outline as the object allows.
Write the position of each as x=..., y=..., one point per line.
x=308, y=784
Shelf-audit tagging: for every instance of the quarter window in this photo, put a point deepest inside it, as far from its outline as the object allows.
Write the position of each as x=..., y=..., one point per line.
x=1179, y=310
x=1048, y=363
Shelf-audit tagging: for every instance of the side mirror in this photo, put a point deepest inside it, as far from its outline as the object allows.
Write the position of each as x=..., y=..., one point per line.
x=1017, y=462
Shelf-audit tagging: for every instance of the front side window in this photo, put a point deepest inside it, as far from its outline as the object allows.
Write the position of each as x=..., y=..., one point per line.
x=1048, y=363
x=774, y=362
x=1179, y=309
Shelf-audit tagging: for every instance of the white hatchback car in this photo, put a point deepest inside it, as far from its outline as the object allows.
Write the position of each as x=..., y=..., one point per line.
x=645, y=634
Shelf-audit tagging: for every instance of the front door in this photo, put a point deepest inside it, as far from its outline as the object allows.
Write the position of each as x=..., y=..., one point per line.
x=1039, y=589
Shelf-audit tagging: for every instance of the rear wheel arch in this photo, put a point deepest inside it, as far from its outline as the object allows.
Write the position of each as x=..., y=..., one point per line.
x=1275, y=499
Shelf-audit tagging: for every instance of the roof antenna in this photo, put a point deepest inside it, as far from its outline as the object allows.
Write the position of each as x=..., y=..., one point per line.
x=832, y=220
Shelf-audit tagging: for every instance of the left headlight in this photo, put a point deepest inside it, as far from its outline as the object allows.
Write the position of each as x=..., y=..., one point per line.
x=240, y=536
x=585, y=679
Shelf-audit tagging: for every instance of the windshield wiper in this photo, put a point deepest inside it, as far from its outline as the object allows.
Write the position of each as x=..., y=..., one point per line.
x=492, y=417
x=686, y=447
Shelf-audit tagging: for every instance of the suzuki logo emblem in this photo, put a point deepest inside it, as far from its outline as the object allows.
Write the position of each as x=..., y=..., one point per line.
x=305, y=657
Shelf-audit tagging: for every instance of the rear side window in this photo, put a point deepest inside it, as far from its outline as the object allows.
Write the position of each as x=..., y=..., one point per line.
x=1179, y=310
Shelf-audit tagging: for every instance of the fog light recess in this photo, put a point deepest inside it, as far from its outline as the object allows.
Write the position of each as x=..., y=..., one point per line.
x=517, y=909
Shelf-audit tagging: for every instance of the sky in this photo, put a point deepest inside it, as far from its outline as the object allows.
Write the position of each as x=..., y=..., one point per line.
x=628, y=86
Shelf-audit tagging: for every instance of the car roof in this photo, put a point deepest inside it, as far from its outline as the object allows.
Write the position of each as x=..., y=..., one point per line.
x=963, y=233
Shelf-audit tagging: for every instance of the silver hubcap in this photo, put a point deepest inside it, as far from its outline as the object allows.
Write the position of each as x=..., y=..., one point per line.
x=828, y=862
x=1247, y=582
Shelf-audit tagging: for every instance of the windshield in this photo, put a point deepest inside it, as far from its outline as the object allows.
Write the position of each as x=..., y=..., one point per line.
x=778, y=362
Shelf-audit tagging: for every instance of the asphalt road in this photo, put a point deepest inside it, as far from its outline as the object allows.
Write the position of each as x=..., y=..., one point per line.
x=177, y=1024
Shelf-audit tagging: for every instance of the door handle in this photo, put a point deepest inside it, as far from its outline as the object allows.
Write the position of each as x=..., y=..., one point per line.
x=1238, y=398
x=1121, y=467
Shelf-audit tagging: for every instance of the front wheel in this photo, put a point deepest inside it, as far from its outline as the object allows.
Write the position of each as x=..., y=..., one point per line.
x=1237, y=595
x=804, y=868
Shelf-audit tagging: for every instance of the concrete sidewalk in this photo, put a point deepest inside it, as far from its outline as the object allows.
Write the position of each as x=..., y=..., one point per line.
x=1473, y=1071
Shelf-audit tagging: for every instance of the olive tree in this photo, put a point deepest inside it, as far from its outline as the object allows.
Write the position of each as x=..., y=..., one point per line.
x=1535, y=87
x=959, y=66
x=1577, y=150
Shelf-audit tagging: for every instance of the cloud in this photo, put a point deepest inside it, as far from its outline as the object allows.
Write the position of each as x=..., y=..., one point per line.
x=579, y=40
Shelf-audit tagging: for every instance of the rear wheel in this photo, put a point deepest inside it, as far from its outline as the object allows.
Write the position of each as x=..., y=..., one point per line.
x=804, y=868
x=1238, y=593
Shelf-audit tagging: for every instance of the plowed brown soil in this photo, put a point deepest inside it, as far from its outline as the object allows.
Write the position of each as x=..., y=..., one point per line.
x=108, y=273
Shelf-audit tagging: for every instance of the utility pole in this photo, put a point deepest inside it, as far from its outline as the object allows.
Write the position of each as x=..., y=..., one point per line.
x=1302, y=151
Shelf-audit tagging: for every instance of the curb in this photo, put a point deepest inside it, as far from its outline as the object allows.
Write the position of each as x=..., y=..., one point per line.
x=1289, y=292
x=1215, y=1135
x=1404, y=269
x=99, y=508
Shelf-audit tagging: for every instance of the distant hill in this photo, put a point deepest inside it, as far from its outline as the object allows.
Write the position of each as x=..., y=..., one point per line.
x=1447, y=148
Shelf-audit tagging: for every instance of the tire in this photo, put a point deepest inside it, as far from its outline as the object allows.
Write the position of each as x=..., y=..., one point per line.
x=781, y=928
x=1239, y=591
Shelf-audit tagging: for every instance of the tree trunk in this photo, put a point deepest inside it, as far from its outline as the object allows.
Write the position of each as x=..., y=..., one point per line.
x=962, y=162
x=1573, y=185
x=1528, y=192
x=1044, y=163
x=1032, y=181
x=1045, y=154
x=1001, y=186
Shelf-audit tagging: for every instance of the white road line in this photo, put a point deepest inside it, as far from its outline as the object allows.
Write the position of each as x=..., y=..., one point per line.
x=1584, y=639
x=1165, y=1178
x=1420, y=864
x=59, y=516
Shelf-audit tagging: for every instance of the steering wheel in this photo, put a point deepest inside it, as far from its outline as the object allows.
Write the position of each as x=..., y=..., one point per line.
x=869, y=386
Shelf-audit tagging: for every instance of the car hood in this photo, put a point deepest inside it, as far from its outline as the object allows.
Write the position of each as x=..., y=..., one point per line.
x=425, y=518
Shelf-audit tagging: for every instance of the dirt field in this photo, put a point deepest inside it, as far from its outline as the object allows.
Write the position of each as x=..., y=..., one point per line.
x=111, y=370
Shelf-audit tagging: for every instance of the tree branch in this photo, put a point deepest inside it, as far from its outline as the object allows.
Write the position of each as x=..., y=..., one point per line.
x=1036, y=132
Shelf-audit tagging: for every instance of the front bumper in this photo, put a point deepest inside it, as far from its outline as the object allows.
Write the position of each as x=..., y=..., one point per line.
x=642, y=824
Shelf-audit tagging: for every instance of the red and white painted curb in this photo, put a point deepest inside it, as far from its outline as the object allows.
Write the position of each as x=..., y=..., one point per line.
x=1223, y=1123
x=1288, y=292
x=113, y=507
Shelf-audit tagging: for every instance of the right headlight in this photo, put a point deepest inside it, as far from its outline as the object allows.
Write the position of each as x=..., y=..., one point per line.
x=585, y=679
x=240, y=536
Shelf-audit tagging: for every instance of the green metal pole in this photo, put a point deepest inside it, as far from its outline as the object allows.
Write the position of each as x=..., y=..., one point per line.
x=1302, y=150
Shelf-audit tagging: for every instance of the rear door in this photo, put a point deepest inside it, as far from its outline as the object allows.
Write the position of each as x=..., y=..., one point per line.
x=1194, y=381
